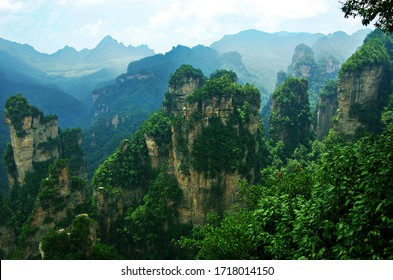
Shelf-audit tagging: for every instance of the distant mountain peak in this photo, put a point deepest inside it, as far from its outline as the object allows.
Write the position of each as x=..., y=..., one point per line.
x=66, y=49
x=108, y=41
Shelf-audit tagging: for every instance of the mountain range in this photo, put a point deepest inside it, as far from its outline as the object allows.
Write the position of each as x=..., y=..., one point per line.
x=264, y=54
x=109, y=99
x=60, y=83
x=176, y=159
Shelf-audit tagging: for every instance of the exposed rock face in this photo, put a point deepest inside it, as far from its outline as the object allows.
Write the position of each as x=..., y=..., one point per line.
x=203, y=192
x=154, y=152
x=360, y=87
x=111, y=207
x=206, y=139
x=41, y=201
x=113, y=197
x=59, y=200
x=38, y=142
x=303, y=63
x=326, y=110
x=332, y=65
x=180, y=94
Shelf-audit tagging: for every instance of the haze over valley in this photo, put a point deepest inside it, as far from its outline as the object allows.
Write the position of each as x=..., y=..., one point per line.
x=212, y=133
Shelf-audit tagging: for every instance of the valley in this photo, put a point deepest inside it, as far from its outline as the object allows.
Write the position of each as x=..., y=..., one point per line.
x=259, y=146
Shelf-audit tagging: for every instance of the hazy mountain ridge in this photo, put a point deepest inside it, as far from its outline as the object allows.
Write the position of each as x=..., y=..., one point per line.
x=105, y=55
x=134, y=96
x=264, y=54
x=187, y=159
x=120, y=108
x=76, y=72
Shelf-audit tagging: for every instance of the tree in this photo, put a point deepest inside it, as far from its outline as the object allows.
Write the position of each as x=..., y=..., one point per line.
x=382, y=10
x=290, y=115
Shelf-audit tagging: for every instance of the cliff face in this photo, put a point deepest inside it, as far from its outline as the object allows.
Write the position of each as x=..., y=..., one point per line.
x=317, y=70
x=206, y=188
x=364, y=87
x=359, y=88
x=42, y=165
x=326, y=110
x=206, y=139
x=121, y=182
x=36, y=141
x=60, y=198
x=332, y=65
x=303, y=63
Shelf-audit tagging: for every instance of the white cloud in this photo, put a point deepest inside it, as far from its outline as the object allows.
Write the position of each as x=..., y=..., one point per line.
x=164, y=23
x=7, y=6
x=134, y=35
x=167, y=16
x=82, y=3
x=208, y=9
x=16, y=7
x=287, y=9
x=203, y=21
x=92, y=28
x=53, y=16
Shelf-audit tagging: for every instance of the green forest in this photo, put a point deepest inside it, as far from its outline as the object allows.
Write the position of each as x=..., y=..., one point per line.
x=205, y=178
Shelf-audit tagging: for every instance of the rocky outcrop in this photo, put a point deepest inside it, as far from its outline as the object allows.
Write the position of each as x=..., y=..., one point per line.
x=327, y=109
x=290, y=115
x=332, y=66
x=61, y=197
x=204, y=191
x=120, y=183
x=303, y=63
x=193, y=154
x=358, y=88
x=35, y=142
x=111, y=205
x=47, y=175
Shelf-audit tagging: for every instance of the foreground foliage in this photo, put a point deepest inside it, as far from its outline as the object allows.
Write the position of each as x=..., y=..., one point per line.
x=336, y=202
x=369, y=10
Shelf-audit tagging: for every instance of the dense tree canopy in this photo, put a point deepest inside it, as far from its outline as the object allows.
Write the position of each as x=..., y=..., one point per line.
x=290, y=116
x=333, y=203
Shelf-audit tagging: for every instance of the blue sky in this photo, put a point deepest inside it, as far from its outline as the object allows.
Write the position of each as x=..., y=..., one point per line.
x=49, y=25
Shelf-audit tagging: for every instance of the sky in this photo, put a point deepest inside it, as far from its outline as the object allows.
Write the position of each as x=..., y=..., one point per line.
x=49, y=25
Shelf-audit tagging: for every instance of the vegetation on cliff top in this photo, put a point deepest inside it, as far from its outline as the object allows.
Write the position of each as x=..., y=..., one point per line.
x=183, y=74
x=289, y=120
x=309, y=200
x=373, y=52
x=333, y=202
x=330, y=89
x=377, y=50
x=146, y=229
x=17, y=108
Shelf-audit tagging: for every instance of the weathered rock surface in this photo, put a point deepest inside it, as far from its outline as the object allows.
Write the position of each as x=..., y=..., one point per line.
x=327, y=109
x=356, y=87
x=59, y=200
x=190, y=109
x=38, y=143
x=202, y=193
